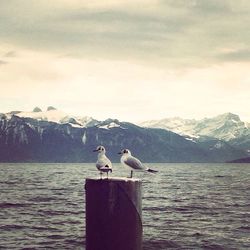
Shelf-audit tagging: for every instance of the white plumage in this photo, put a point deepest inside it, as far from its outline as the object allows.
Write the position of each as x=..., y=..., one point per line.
x=135, y=164
x=103, y=163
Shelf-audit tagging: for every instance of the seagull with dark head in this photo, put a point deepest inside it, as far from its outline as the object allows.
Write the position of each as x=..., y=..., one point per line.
x=103, y=163
x=135, y=164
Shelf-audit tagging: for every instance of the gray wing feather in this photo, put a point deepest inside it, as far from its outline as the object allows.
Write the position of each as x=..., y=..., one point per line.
x=99, y=166
x=134, y=163
x=104, y=164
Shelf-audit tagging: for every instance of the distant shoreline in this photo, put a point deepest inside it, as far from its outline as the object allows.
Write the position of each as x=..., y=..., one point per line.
x=242, y=160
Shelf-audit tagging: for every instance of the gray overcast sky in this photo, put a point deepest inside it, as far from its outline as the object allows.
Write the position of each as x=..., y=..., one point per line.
x=132, y=60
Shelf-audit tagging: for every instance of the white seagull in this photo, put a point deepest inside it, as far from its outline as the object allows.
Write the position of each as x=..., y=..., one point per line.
x=128, y=160
x=103, y=163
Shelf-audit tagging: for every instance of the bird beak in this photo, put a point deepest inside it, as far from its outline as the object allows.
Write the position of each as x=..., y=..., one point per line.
x=119, y=153
x=95, y=150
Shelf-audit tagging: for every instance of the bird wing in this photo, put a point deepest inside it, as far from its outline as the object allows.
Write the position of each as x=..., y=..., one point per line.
x=103, y=163
x=134, y=163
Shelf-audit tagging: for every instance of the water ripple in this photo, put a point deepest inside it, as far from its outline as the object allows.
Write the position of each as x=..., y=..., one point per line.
x=185, y=206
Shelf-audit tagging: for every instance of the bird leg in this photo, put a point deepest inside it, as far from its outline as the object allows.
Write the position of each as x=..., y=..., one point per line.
x=131, y=174
x=101, y=175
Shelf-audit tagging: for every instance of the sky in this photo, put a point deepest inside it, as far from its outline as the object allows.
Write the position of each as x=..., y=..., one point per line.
x=133, y=60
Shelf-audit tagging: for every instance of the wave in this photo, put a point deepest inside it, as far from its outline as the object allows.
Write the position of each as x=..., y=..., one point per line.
x=13, y=205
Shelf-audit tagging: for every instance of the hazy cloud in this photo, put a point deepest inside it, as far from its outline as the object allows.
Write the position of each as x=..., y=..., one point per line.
x=238, y=55
x=2, y=62
x=180, y=57
x=164, y=32
x=10, y=54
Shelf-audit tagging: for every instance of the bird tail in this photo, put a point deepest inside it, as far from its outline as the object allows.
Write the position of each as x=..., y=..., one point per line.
x=152, y=171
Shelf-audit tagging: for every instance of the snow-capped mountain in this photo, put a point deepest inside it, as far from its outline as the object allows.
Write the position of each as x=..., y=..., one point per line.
x=226, y=127
x=57, y=116
x=55, y=136
x=31, y=140
x=178, y=125
x=109, y=124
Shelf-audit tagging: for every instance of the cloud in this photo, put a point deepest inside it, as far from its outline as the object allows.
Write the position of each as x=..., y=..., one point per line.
x=164, y=33
x=2, y=62
x=235, y=55
x=10, y=54
x=123, y=90
x=151, y=57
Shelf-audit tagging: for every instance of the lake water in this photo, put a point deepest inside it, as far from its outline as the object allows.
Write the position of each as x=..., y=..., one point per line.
x=185, y=206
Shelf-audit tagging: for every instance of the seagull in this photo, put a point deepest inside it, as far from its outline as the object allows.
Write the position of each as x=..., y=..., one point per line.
x=103, y=163
x=128, y=160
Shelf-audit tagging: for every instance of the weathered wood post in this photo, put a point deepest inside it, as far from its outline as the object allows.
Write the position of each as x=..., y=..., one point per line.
x=113, y=214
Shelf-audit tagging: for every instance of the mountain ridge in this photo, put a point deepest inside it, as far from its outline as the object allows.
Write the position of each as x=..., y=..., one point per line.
x=241, y=160
x=54, y=136
x=226, y=126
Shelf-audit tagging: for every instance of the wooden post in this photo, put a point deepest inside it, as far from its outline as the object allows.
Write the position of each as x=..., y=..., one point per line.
x=113, y=214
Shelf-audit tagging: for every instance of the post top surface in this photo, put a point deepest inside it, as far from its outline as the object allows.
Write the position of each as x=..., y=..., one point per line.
x=114, y=179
